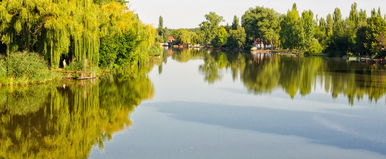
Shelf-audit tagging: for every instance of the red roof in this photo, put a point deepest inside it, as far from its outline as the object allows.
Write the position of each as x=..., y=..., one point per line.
x=171, y=38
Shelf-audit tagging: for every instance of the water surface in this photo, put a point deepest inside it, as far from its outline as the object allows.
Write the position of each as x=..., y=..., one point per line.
x=204, y=104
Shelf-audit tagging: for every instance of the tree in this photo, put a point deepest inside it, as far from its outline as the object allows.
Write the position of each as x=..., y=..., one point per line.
x=220, y=38
x=321, y=31
x=210, y=27
x=70, y=29
x=330, y=25
x=185, y=37
x=161, y=29
x=310, y=43
x=354, y=15
x=338, y=22
x=235, y=23
x=237, y=38
x=292, y=33
x=308, y=26
x=262, y=25
x=371, y=38
x=339, y=43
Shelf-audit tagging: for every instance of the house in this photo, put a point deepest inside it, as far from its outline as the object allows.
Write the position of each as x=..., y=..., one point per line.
x=171, y=39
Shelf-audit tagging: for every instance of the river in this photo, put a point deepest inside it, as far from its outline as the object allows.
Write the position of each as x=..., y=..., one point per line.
x=194, y=104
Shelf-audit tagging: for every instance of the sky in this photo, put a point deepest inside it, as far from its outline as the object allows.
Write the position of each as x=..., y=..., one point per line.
x=190, y=13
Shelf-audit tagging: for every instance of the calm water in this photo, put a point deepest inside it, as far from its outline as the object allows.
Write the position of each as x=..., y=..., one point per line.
x=204, y=104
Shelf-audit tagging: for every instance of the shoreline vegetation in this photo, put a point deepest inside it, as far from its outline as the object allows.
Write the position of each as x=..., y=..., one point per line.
x=359, y=35
x=41, y=41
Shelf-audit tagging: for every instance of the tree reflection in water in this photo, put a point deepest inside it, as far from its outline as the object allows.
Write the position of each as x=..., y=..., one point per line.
x=296, y=75
x=66, y=119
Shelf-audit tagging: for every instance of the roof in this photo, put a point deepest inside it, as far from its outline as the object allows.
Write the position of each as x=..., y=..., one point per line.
x=171, y=38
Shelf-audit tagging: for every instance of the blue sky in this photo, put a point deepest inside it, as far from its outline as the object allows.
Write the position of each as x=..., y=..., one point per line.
x=190, y=13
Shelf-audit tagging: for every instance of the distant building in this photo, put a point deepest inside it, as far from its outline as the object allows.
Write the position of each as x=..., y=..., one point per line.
x=171, y=39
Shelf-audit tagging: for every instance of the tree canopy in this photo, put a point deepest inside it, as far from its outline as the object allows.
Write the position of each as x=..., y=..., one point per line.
x=74, y=29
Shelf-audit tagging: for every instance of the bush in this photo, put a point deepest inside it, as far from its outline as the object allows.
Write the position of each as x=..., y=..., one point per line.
x=75, y=66
x=24, y=67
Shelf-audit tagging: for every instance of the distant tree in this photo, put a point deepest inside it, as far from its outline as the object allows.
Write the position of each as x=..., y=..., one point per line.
x=308, y=26
x=330, y=25
x=262, y=24
x=160, y=24
x=235, y=23
x=354, y=15
x=237, y=38
x=186, y=37
x=220, y=38
x=321, y=31
x=210, y=26
x=339, y=43
x=310, y=44
x=338, y=22
x=292, y=33
x=161, y=30
x=371, y=38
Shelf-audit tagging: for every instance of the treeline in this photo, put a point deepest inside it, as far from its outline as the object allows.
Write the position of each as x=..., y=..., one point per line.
x=83, y=33
x=359, y=34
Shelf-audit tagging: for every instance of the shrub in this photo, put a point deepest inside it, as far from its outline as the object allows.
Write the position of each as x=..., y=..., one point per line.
x=75, y=66
x=24, y=67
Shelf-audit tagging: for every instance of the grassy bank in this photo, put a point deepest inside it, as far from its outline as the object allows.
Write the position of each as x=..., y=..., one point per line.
x=25, y=68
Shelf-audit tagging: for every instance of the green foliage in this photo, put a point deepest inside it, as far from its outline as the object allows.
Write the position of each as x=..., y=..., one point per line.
x=314, y=48
x=320, y=31
x=3, y=70
x=308, y=27
x=185, y=37
x=262, y=24
x=235, y=23
x=71, y=28
x=75, y=66
x=123, y=2
x=292, y=32
x=220, y=38
x=371, y=38
x=117, y=50
x=210, y=27
x=237, y=38
x=26, y=67
x=161, y=30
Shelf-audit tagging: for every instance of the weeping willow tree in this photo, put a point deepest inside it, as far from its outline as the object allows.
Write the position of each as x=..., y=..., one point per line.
x=71, y=28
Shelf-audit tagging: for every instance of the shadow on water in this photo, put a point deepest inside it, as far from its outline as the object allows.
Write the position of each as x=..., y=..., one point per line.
x=346, y=130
